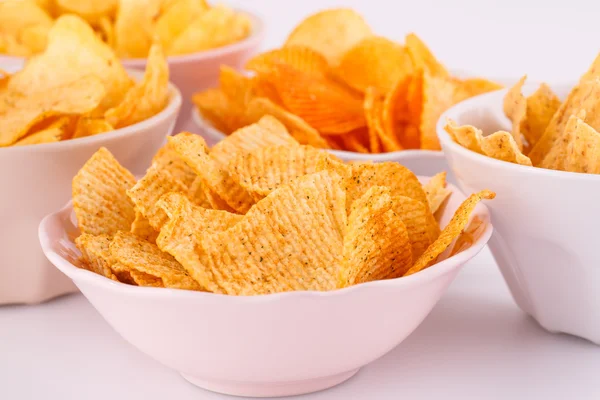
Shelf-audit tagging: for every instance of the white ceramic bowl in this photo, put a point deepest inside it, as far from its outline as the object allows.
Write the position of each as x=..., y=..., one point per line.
x=545, y=241
x=271, y=345
x=421, y=162
x=36, y=180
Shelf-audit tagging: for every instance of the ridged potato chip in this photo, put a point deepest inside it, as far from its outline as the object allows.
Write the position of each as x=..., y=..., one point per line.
x=376, y=244
x=216, y=107
x=421, y=226
x=330, y=32
x=141, y=228
x=438, y=95
x=301, y=58
x=436, y=191
x=101, y=184
x=422, y=57
x=135, y=254
x=237, y=87
x=95, y=252
x=375, y=61
x=263, y=170
x=373, y=106
x=450, y=232
x=134, y=27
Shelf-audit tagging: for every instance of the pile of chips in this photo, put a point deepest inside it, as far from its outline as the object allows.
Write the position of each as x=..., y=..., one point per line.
x=260, y=213
x=130, y=27
x=545, y=133
x=76, y=88
x=335, y=84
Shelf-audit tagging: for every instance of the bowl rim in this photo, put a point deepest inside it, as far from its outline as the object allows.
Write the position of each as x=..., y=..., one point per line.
x=175, y=101
x=256, y=36
x=206, y=126
x=427, y=275
x=475, y=103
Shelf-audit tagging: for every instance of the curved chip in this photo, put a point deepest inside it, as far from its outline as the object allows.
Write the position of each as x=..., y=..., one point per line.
x=90, y=10
x=330, y=32
x=175, y=19
x=221, y=112
x=541, y=107
x=373, y=106
x=515, y=109
x=301, y=58
x=422, y=57
x=134, y=27
x=466, y=135
x=583, y=150
x=95, y=252
x=141, y=228
x=502, y=146
x=100, y=199
x=436, y=191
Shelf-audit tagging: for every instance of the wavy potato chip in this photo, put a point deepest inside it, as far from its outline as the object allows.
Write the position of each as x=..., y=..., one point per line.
x=95, y=252
x=134, y=27
x=301, y=58
x=49, y=135
x=450, y=232
x=141, y=228
x=175, y=18
x=422, y=57
x=237, y=87
x=216, y=107
x=101, y=184
x=90, y=10
x=421, y=226
x=436, y=191
x=376, y=243
x=330, y=32
x=373, y=106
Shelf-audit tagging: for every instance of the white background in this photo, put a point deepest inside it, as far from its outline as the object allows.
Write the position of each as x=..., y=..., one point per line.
x=476, y=344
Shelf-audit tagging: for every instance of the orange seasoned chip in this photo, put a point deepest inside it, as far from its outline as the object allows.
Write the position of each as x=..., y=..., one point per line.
x=502, y=146
x=214, y=106
x=420, y=223
x=301, y=58
x=402, y=108
x=199, y=194
x=373, y=106
x=541, y=107
x=436, y=191
x=95, y=252
x=141, y=228
x=474, y=87
x=422, y=57
x=237, y=87
x=330, y=32
x=100, y=200
x=88, y=126
x=375, y=61
x=438, y=95
x=49, y=135
x=515, y=108
x=450, y=232
x=136, y=254
x=263, y=170
x=376, y=243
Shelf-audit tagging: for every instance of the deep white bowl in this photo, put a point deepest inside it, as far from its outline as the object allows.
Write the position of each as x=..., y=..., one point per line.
x=545, y=241
x=271, y=345
x=36, y=180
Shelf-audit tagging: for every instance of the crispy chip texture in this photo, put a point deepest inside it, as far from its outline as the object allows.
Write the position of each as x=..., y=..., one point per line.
x=141, y=228
x=300, y=58
x=133, y=27
x=376, y=243
x=95, y=252
x=49, y=135
x=135, y=254
x=541, y=107
x=450, y=232
x=502, y=146
x=583, y=150
x=330, y=32
x=100, y=200
x=467, y=135
x=436, y=191
x=515, y=108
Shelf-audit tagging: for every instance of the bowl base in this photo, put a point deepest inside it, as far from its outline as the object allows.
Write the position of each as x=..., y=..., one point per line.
x=270, y=389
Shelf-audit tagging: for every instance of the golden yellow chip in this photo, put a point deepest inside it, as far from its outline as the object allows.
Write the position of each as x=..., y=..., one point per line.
x=237, y=87
x=199, y=194
x=401, y=106
x=49, y=135
x=221, y=112
x=100, y=200
x=375, y=61
x=34, y=37
x=466, y=135
x=400, y=180
x=436, y=191
x=557, y=155
x=502, y=146
x=88, y=126
x=73, y=52
x=142, y=278
x=106, y=30
x=420, y=223
x=438, y=95
x=90, y=10
x=298, y=128
x=301, y=58
x=141, y=228
x=95, y=252
x=264, y=253
x=583, y=151
x=263, y=170
x=216, y=27
x=18, y=15
x=515, y=108
x=146, y=98
x=376, y=243
x=175, y=19
x=330, y=32
x=20, y=113
x=541, y=107
x=451, y=231
x=422, y=57
x=134, y=26
x=474, y=87
x=136, y=254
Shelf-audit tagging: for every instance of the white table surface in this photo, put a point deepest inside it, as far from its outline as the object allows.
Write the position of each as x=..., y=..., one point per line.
x=476, y=344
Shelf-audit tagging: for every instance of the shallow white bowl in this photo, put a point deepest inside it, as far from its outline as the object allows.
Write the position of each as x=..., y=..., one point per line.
x=545, y=241
x=421, y=162
x=271, y=345
x=36, y=180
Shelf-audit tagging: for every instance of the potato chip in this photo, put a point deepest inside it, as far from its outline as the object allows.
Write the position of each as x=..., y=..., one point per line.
x=269, y=251
x=502, y=146
x=373, y=106
x=73, y=52
x=541, y=107
x=324, y=105
x=330, y=32
x=90, y=10
x=450, y=232
x=49, y=135
x=375, y=61
x=474, y=87
x=376, y=244
x=142, y=278
x=214, y=106
x=216, y=27
x=141, y=228
x=134, y=27
x=17, y=15
x=298, y=128
x=88, y=126
x=95, y=252
x=557, y=155
x=301, y=58
x=10, y=45
x=100, y=200
x=422, y=57
x=438, y=96
x=147, y=98
x=263, y=170
x=583, y=150
x=436, y=191
x=199, y=194
x=402, y=106
x=106, y=30
x=175, y=19
x=357, y=140
x=421, y=226
x=237, y=87
x=20, y=113
x=136, y=254
x=400, y=180
x=467, y=135
x=515, y=108
x=584, y=96
x=34, y=37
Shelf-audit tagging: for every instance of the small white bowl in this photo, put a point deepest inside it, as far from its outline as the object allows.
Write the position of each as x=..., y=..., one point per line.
x=421, y=162
x=545, y=241
x=271, y=345
x=36, y=180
